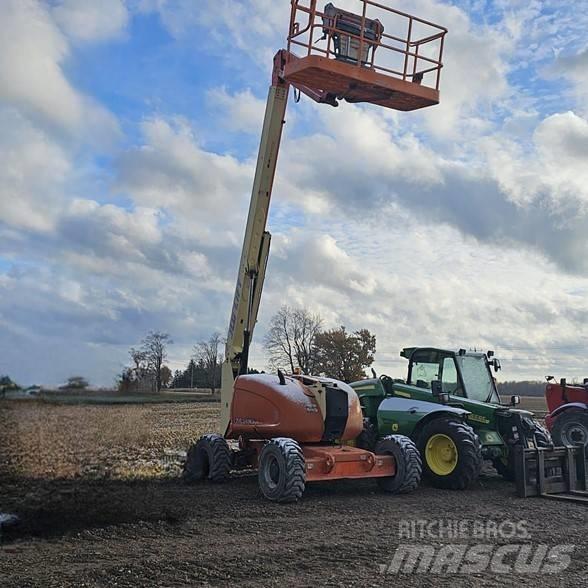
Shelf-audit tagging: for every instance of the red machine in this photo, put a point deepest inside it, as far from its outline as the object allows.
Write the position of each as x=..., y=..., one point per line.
x=568, y=412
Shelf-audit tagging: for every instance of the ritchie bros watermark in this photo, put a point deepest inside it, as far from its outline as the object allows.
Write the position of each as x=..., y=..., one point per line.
x=446, y=546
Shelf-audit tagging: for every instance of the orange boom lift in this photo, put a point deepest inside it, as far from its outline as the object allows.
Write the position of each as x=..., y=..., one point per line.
x=297, y=429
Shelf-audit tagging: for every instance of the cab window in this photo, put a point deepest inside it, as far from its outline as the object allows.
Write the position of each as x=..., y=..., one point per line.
x=425, y=369
x=449, y=379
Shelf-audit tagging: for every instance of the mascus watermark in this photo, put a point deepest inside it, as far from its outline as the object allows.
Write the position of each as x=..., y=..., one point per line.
x=447, y=556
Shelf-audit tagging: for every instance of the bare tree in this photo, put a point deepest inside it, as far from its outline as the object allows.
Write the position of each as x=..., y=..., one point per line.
x=291, y=339
x=154, y=348
x=207, y=354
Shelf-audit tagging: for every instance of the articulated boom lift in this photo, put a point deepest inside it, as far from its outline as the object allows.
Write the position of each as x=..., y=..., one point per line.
x=294, y=429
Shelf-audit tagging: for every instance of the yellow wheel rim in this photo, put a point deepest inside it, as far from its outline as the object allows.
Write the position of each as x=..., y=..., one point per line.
x=441, y=454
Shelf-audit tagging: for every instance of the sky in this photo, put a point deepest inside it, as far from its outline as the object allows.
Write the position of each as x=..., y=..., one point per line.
x=128, y=136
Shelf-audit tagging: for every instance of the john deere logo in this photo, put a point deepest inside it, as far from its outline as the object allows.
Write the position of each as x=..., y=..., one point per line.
x=478, y=419
x=395, y=427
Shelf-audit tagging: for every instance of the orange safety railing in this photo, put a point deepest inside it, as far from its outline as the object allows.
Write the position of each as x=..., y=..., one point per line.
x=414, y=55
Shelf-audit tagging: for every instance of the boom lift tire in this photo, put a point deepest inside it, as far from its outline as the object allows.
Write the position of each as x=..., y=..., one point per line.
x=208, y=459
x=571, y=428
x=281, y=473
x=451, y=453
x=408, y=464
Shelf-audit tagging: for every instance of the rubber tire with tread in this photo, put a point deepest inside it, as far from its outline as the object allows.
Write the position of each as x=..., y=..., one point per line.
x=368, y=438
x=286, y=480
x=409, y=466
x=565, y=418
x=469, y=450
x=506, y=470
x=208, y=459
x=543, y=436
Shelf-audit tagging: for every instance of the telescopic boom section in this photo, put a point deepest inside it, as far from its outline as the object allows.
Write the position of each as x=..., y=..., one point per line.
x=256, y=245
x=343, y=56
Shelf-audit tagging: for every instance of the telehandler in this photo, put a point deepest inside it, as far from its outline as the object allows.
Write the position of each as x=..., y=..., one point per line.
x=450, y=407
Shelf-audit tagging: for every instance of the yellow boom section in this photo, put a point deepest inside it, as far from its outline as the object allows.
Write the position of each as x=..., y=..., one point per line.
x=255, y=250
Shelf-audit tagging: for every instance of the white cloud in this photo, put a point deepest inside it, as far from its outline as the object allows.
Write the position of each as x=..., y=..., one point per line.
x=32, y=174
x=247, y=25
x=88, y=20
x=32, y=51
x=412, y=285
x=574, y=67
x=198, y=188
x=241, y=112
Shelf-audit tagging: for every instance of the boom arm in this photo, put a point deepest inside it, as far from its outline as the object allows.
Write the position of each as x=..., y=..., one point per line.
x=256, y=244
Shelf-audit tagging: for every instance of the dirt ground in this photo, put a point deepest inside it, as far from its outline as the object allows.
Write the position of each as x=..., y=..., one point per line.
x=101, y=504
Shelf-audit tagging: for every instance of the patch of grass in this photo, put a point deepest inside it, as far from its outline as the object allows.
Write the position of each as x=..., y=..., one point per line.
x=55, y=441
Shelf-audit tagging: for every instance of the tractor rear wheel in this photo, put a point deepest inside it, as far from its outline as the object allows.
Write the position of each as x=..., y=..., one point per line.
x=208, y=459
x=451, y=453
x=281, y=473
x=408, y=464
x=571, y=428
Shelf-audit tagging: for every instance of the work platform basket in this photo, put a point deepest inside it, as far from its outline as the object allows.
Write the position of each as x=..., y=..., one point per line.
x=364, y=51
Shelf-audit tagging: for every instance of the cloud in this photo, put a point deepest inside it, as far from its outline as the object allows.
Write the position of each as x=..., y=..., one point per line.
x=247, y=25
x=306, y=255
x=495, y=192
x=239, y=112
x=90, y=21
x=32, y=174
x=197, y=187
x=415, y=285
x=32, y=51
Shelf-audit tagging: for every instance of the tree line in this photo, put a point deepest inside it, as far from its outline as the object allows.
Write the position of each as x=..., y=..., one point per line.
x=524, y=388
x=148, y=371
x=296, y=340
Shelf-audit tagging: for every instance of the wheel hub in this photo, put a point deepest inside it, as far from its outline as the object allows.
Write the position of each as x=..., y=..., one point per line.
x=272, y=472
x=441, y=454
x=575, y=434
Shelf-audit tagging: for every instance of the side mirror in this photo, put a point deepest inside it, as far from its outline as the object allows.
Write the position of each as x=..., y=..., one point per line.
x=497, y=365
x=515, y=400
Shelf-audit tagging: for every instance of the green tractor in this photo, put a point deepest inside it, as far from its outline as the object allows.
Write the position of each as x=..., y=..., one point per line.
x=450, y=407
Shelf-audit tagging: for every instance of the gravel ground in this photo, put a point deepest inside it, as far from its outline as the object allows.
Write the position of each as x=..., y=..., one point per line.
x=112, y=528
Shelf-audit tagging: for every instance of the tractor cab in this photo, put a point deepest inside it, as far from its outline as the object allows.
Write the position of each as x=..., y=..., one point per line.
x=455, y=373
